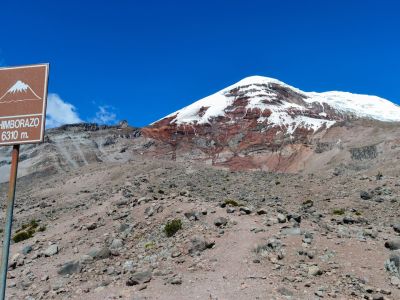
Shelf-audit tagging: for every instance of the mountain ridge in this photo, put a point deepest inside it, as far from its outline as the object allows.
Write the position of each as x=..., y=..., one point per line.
x=344, y=102
x=261, y=122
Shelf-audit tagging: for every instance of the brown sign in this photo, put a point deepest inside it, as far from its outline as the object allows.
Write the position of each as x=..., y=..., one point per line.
x=23, y=99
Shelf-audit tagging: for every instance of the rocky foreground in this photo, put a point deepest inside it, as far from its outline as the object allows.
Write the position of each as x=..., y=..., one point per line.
x=98, y=232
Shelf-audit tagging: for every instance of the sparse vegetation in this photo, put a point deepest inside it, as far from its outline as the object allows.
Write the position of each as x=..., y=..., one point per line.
x=339, y=211
x=149, y=245
x=232, y=202
x=27, y=231
x=172, y=227
x=22, y=236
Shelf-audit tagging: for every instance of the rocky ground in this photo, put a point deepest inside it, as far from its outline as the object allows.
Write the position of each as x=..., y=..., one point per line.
x=98, y=232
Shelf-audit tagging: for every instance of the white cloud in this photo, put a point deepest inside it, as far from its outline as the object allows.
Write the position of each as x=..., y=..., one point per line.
x=105, y=115
x=60, y=112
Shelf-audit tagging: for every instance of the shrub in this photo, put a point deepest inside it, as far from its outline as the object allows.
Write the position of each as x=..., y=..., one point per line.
x=172, y=227
x=21, y=236
x=149, y=245
x=27, y=231
x=339, y=211
x=232, y=202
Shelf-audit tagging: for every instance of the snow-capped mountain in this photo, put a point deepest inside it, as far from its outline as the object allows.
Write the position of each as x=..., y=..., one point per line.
x=18, y=92
x=286, y=106
x=261, y=114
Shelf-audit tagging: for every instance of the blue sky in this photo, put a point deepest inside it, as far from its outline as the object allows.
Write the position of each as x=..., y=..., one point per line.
x=141, y=60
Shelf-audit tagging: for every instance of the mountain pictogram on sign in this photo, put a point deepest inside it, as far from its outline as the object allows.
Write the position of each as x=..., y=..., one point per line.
x=19, y=92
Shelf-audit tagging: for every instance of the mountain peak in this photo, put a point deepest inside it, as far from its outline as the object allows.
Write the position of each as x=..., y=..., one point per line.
x=256, y=79
x=261, y=122
x=280, y=99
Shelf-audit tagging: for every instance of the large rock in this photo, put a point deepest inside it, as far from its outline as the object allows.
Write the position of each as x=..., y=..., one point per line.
x=192, y=215
x=396, y=227
x=221, y=221
x=102, y=253
x=70, y=267
x=393, y=244
x=365, y=195
x=392, y=265
x=199, y=244
x=139, y=278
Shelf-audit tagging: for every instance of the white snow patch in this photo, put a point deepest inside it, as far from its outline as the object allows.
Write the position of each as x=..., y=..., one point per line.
x=216, y=104
x=363, y=106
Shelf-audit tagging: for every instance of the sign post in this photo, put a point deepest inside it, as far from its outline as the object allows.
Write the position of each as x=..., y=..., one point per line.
x=23, y=100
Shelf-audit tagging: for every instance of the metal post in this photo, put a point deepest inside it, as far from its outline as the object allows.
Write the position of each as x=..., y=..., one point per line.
x=8, y=224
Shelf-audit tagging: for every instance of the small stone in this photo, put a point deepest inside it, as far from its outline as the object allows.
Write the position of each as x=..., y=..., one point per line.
x=12, y=285
x=295, y=217
x=57, y=285
x=307, y=240
x=52, y=250
x=395, y=280
x=245, y=209
x=176, y=254
x=128, y=266
x=314, y=271
x=86, y=259
x=149, y=211
x=319, y=294
x=116, y=244
x=27, y=249
x=199, y=244
x=285, y=292
x=176, y=280
x=123, y=227
x=281, y=218
x=192, y=215
x=291, y=231
x=91, y=226
x=230, y=210
x=45, y=278
x=221, y=221
x=396, y=227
